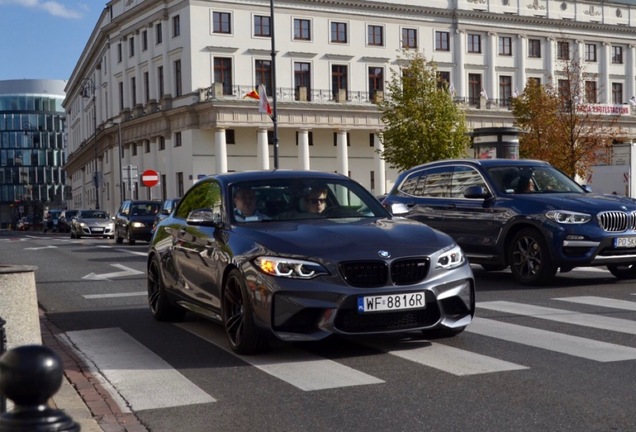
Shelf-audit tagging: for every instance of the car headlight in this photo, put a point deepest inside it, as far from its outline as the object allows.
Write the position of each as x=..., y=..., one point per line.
x=568, y=217
x=138, y=224
x=111, y=226
x=83, y=225
x=289, y=268
x=453, y=257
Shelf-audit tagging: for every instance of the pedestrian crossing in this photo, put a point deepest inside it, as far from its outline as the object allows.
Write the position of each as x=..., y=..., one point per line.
x=132, y=366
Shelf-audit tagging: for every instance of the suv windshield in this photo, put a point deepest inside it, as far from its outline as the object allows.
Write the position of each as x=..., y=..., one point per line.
x=145, y=209
x=532, y=179
x=94, y=215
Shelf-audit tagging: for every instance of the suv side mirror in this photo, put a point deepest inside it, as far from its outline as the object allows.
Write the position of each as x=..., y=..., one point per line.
x=476, y=192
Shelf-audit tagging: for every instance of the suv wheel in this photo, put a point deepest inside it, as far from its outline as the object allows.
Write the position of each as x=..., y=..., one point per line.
x=624, y=271
x=529, y=258
x=131, y=241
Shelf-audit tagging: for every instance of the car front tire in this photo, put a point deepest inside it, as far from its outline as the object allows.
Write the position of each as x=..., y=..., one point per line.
x=623, y=271
x=529, y=258
x=161, y=307
x=238, y=317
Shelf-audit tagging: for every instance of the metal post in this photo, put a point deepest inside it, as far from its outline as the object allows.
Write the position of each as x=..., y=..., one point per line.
x=3, y=349
x=274, y=110
x=88, y=89
x=122, y=188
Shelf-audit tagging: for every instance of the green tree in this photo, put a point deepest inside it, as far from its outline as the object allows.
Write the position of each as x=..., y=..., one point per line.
x=558, y=124
x=422, y=123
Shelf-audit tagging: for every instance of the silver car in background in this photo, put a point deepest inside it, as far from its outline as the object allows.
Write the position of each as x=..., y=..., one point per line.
x=92, y=223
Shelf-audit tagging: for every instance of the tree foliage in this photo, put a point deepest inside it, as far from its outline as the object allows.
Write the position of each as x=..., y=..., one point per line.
x=557, y=126
x=422, y=123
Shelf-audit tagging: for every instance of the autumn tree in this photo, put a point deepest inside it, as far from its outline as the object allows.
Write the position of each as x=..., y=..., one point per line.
x=560, y=123
x=422, y=123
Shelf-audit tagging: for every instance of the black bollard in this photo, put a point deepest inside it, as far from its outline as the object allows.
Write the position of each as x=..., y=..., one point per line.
x=3, y=348
x=29, y=376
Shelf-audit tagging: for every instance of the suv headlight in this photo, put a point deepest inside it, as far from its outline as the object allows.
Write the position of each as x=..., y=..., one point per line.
x=138, y=224
x=568, y=217
x=453, y=257
x=289, y=268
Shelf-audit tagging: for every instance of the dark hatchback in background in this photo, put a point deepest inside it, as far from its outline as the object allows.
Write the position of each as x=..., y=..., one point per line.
x=489, y=208
x=167, y=206
x=289, y=274
x=134, y=220
x=66, y=218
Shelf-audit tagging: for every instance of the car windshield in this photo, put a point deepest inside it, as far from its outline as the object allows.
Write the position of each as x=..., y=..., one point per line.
x=145, y=209
x=94, y=215
x=532, y=179
x=292, y=199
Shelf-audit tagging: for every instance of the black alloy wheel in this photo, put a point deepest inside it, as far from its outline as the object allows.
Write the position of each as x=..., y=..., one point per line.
x=131, y=241
x=623, y=271
x=529, y=258
x=160, y=305
x=238, y=318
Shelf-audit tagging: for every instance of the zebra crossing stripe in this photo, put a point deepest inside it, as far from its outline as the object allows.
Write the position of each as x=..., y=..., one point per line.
x=143, y=379
x=563, y=316
x=296, y=367
x=552, y=341
x=601, y=301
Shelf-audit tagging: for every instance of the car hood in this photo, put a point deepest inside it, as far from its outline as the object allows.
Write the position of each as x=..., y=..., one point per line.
x=338, y=239
x=99, y=222
x=585, y=203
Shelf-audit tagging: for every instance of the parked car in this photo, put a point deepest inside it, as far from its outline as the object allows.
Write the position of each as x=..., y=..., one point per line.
x=166, y=208
x=134, y=220
x=64, y=223
x=286, y=273
x=92, y=223
x=486, y=207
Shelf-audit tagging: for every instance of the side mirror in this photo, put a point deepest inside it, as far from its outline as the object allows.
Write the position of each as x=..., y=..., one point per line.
x=204, y=217
x=398, y=209
x=476, y=192
x=587, y=188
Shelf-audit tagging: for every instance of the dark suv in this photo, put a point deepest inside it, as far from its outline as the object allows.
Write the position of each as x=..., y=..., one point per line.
x=525, y=214
x=134, y=220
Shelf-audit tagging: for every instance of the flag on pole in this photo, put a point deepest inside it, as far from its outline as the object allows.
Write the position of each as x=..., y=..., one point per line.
x=253, y=95
x=263, y=103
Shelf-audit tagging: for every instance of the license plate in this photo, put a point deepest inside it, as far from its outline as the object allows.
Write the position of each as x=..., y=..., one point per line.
x=391, y=302
x=98, y=229
x=625, y=242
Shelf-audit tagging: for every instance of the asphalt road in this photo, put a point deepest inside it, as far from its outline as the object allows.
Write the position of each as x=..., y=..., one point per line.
x=556, y=358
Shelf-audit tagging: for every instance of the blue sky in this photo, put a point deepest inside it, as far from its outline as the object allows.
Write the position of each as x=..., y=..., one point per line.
x=43, y=39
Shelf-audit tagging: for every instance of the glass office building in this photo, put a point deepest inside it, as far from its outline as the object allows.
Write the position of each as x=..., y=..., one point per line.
x=32, y=149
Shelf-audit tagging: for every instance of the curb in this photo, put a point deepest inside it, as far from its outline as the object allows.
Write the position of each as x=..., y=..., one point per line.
x=81, y=395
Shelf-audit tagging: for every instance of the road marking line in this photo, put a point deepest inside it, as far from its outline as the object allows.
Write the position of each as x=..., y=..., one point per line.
x=100, y=296
x=552, y=341
x=601, y=301
x=142, y=378
x=296, y=367
x=563, y=316
x=133, y=252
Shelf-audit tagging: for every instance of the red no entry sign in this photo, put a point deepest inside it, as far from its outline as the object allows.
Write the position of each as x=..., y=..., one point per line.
x=150, y=178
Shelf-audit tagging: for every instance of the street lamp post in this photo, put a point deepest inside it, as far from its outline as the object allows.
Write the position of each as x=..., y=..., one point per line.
x=274, y=108
x=122, y=188
x=88, y=91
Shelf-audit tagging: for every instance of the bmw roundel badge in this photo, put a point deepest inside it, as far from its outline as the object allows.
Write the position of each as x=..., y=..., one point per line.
x=384, y=254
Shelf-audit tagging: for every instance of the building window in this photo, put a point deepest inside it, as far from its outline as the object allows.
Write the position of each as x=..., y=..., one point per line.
x=161, y=90
x=474, y=43
x=335, y=139
x=158, y=34
x=264, y=74
x=563, y=50
x=505, y=46
x=302, y=30
x=442, y=41
x=162, y=143
x=221, y=22
x=375, y=34
x=177, y=139
x=146, y=87
x=534, y=48
x=590, y=92
x=617, y=93
x=177, y=78
x=121, y=96
x=230, y=136
x=144, y=40
x=164, y=188
x=131, y=46
x=262, y=26
x=590, y=52
x=179, y=178
x=119, y=53
x=133, y=149
x=302, y=79
x=474, y=89
x=223, y=73
x=338, y=32
x=443, y=79
x=376, y=80
x=147, y=146
x=563, y=87
x=176, y=26
x=617, y=54
x=339, y=79
x=133, y=91
x=310, y=138
x=505, y=90
x=409, y=38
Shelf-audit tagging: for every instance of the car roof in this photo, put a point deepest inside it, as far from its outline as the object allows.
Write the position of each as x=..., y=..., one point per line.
x=233, y=177
x=486, y=163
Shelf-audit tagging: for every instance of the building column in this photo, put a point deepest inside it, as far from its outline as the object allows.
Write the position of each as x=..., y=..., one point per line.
x=262, y=149
x=631, y=51
x=380, y=164
x=550, y=57
x=303, y=149
x=220, y=151
x=491, y=80
x=459, y=55
x=522, y=52
x=605, y=86
x=343, y=153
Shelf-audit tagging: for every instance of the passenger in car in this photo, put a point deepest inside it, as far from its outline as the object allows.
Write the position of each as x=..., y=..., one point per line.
x=245, y=206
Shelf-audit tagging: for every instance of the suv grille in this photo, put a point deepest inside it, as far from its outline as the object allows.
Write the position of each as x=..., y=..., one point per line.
x=617, y=221
x=370, y=274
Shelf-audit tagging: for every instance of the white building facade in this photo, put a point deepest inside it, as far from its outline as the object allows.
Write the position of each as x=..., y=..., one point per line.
x=160, y=85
